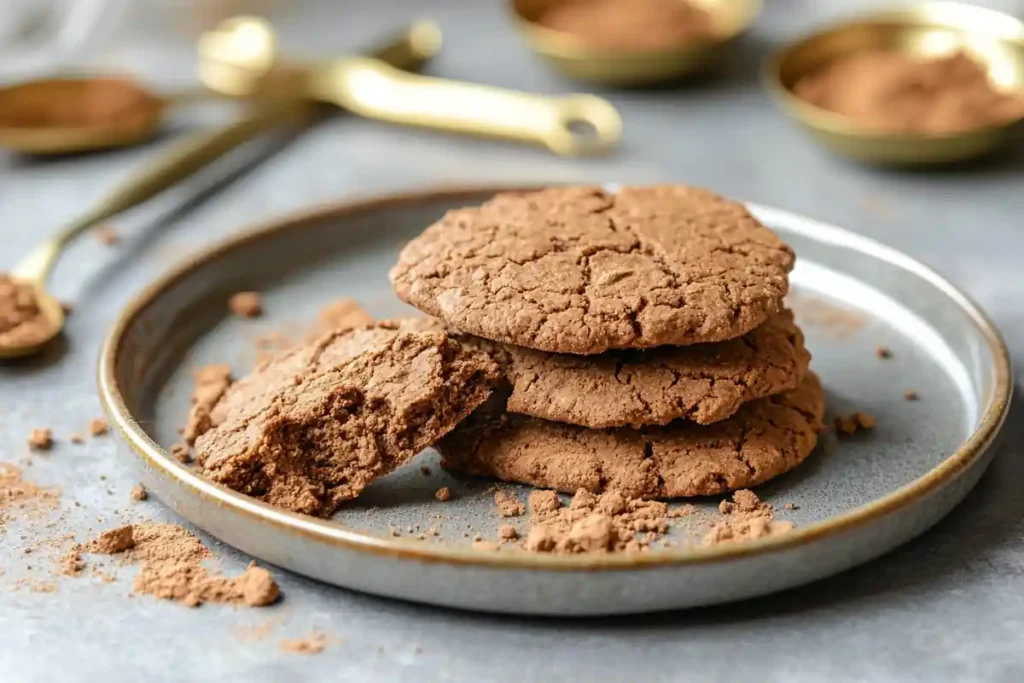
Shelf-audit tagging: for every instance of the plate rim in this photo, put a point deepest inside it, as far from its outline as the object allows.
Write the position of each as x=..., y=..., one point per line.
x=970, y=451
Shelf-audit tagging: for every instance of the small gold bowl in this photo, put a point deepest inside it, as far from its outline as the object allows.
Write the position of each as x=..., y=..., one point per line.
x=575, y=57
x=993, y=38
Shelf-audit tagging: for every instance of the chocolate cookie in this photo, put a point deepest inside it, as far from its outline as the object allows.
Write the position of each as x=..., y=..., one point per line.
x=765, y=438
x=313, y=427
x=579, y=270
x=704, y=383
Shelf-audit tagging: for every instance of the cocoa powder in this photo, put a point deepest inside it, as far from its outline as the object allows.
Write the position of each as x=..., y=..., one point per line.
x=21, y=319
x=593, y=523
x=629, y=25
x=171, y=567
x=20, y=496
x=895, y=92
x=746, y=517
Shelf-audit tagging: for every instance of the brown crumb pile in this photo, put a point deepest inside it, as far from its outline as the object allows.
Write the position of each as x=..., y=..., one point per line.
x=181, y=453
x=746, y=518
x=593, y=523
x=508, y=505
x=855, y=422
x=21, y=319
x=40, y=439
x=630, y=25
x=211, y=382
x=443, y=494
x=139, y=493
x=171, y=567
x=896, y=92
x=106, y=235
x=312, y=644
x=18, y=495
x=246, y=304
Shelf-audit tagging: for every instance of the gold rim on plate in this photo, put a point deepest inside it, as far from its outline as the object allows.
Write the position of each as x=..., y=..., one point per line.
x=334, y=533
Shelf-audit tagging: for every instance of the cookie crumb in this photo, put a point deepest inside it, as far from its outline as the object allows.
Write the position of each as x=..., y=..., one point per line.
x=106, y=235
x=257, y=586
x=76, y=439
x=443, y=494
x=855, y=422
x=182, y=453
x=507, y=532
x=113, y=541
x=747, y=517
x=139, y=493
x=910, y=395
x=791, y=506
x=313, y=644
x=543, y=502
x=246, y=304
x=682, y=511
x=40, y=439
x=98, y=427
x=72, y=563
x=883, y=352
x=508, y=505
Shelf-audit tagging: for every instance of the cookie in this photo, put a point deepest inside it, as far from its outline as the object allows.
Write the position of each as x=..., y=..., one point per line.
x=313, y=427
x=580, y=270
x=704, y=383
x=762, y=440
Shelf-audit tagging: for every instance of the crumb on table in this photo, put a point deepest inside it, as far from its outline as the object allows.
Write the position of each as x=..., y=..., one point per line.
x=246, y=304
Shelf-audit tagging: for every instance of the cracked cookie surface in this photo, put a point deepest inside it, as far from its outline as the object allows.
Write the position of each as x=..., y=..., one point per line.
x=314, y=426
x=580, y=270
x=766, y=438
x=704, y=383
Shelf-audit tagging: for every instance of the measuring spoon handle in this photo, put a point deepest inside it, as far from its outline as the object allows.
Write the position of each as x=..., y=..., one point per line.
x=374, y=89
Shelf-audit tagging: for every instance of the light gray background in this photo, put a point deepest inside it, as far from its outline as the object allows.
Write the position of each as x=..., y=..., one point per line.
x=949, y=606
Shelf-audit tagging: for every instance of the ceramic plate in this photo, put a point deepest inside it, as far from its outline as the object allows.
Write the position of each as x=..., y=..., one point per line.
x=857, y=497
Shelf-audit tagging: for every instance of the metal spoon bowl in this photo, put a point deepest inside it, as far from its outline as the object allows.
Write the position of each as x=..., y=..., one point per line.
x=97, y=112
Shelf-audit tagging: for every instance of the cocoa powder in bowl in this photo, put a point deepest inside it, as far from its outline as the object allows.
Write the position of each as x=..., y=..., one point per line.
x=895, y=92
x=629, y=25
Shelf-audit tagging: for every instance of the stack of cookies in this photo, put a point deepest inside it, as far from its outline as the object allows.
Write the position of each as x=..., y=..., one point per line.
x=642, y=334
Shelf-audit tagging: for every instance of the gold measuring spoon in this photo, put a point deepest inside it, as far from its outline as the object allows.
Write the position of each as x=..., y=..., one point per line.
x=72, y=115
x=569, y=125
x=183, y=160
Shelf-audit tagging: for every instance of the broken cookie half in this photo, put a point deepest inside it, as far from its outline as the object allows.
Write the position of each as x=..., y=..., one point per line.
x=314, y=426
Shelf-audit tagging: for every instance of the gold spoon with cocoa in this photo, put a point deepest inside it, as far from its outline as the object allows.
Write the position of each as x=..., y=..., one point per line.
x=30, y=317
x=82, y=114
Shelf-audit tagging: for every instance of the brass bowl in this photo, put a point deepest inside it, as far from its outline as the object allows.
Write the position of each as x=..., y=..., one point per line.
x=578, y=59
x=993, y=38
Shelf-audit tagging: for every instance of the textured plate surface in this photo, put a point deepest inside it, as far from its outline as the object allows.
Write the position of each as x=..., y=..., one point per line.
x=857, y=498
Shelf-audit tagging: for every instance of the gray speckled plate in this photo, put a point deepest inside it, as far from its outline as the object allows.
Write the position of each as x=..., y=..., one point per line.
x=857, y=498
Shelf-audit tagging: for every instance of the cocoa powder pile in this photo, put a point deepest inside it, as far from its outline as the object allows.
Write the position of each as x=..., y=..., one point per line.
x=746, y=517
x=593, y=523
x=894, y=92
x=629, y=25
x=21, y=319
x=171, y=566
x=20, y=496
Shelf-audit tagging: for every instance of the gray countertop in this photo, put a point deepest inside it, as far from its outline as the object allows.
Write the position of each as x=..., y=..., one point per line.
x=949, y=606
